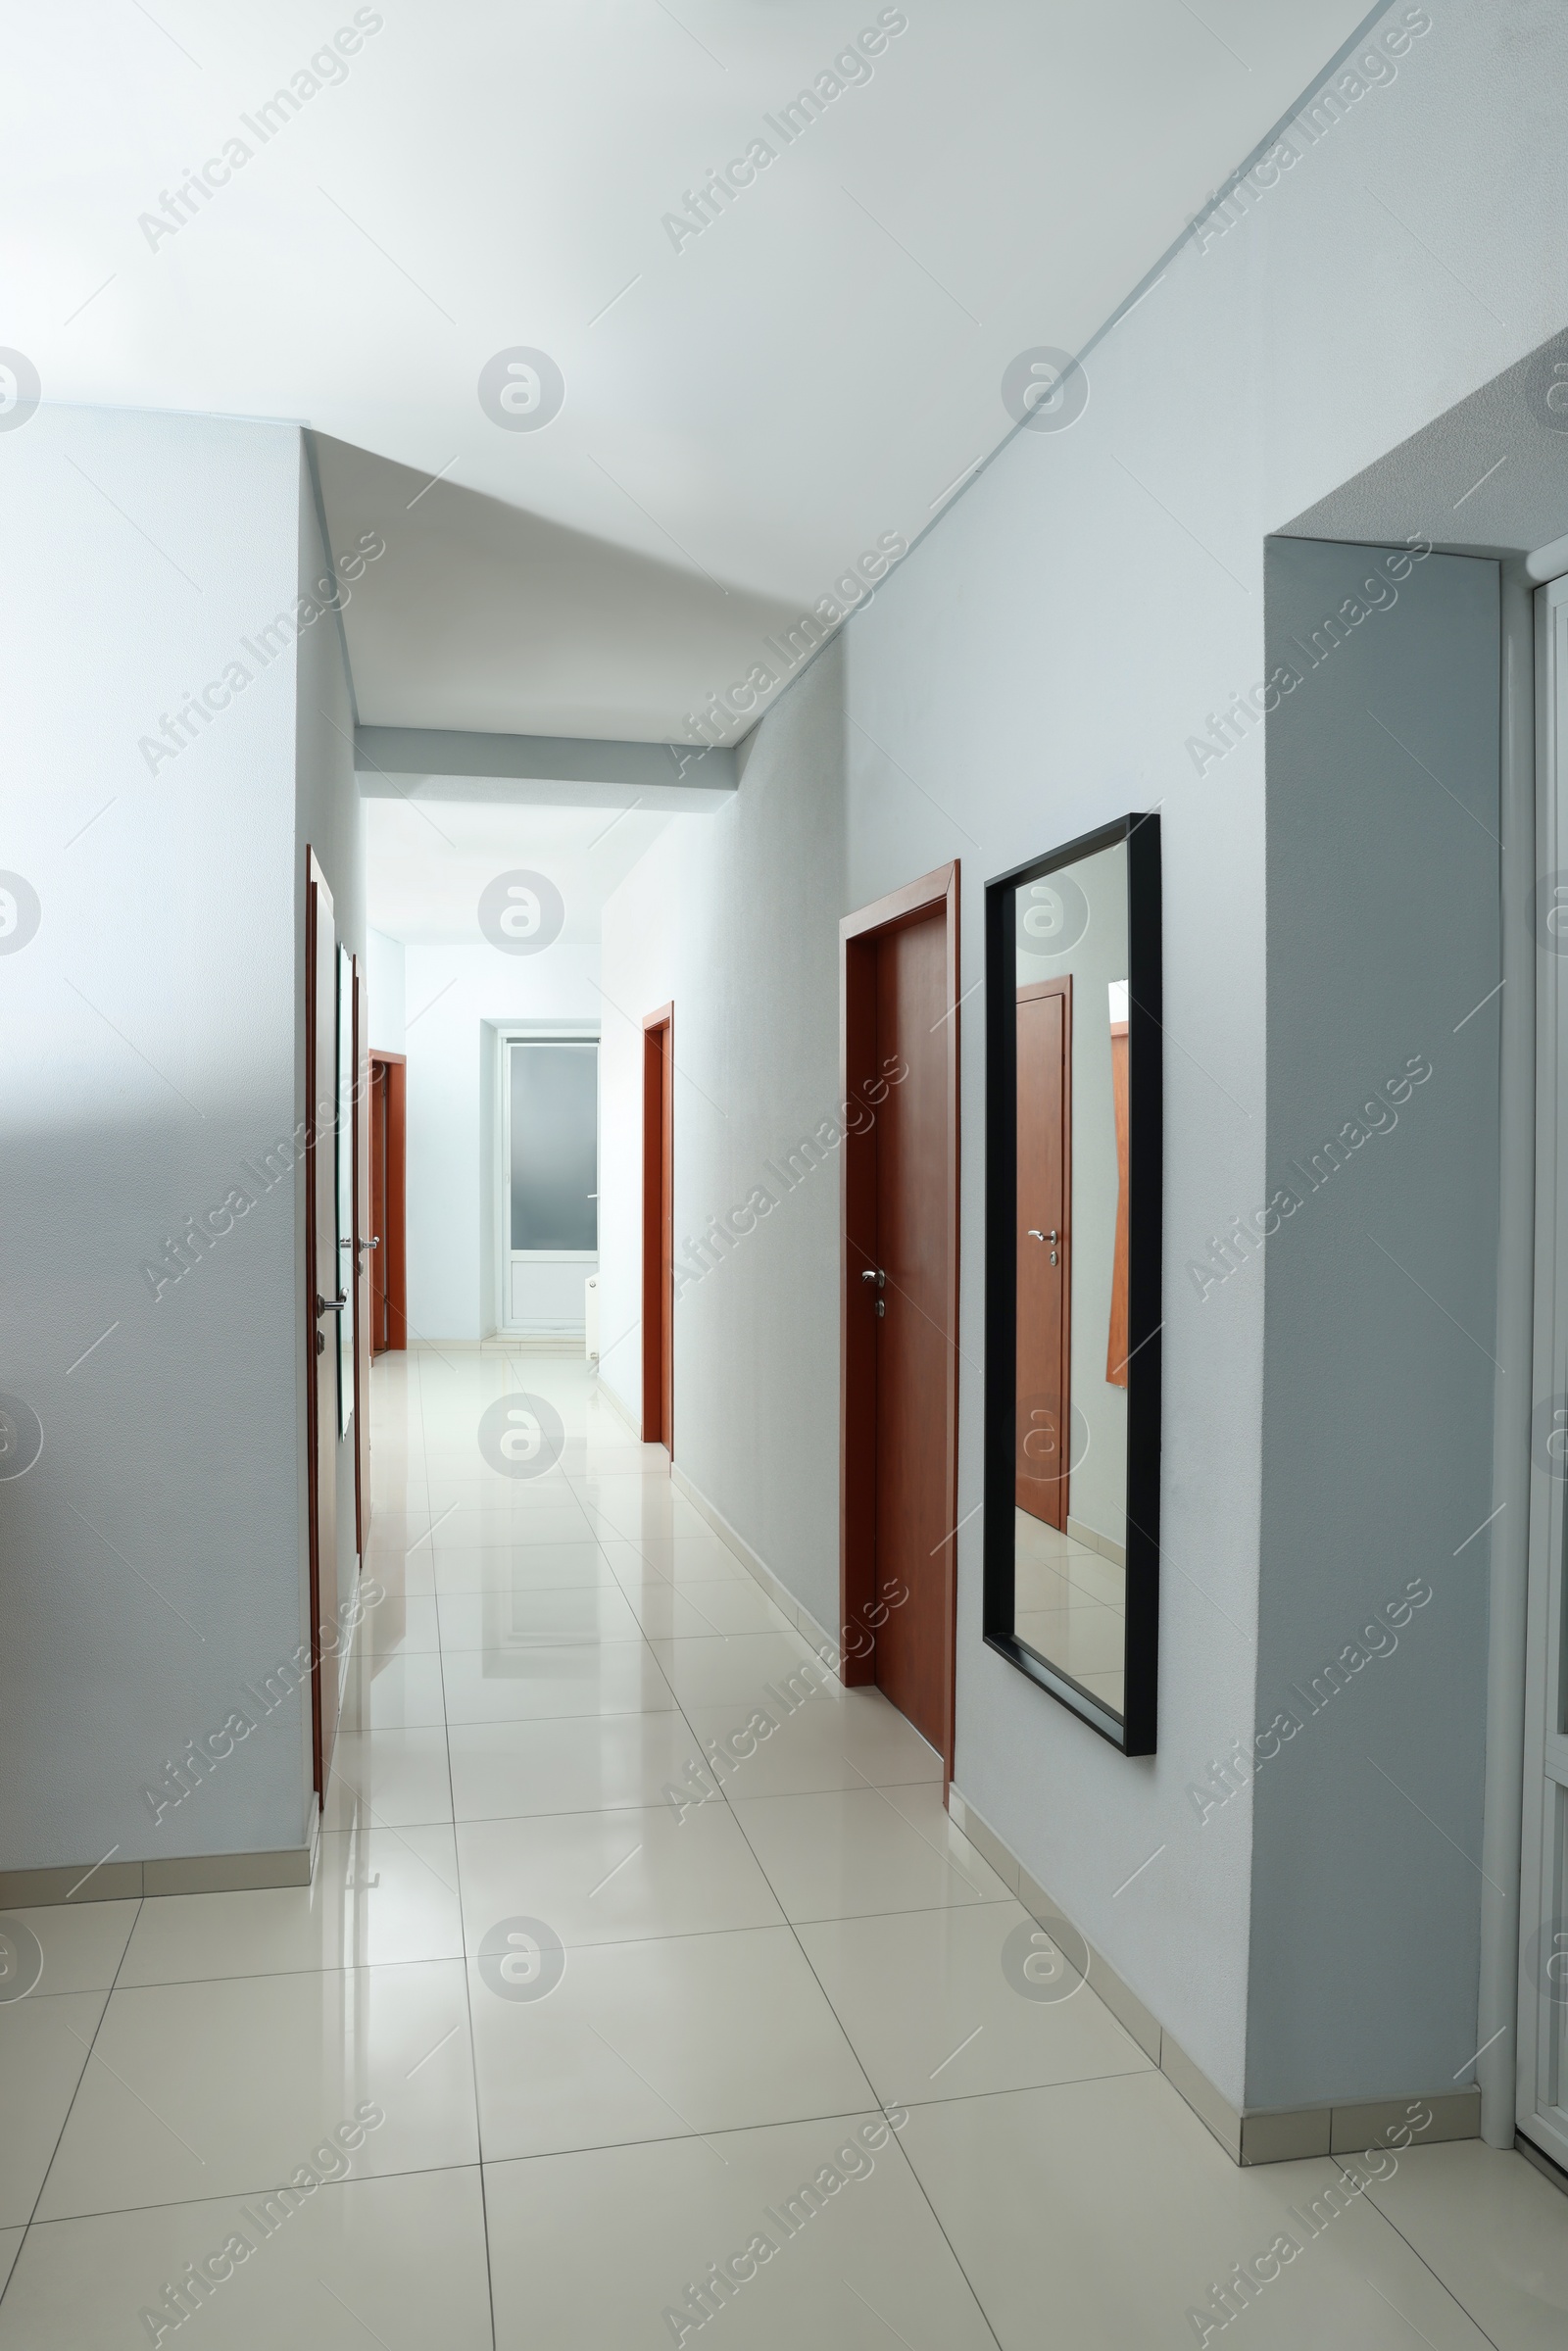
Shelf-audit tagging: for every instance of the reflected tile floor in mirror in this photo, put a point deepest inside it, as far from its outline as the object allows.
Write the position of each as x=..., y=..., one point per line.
x=1071, y=1607
x=570, y=2138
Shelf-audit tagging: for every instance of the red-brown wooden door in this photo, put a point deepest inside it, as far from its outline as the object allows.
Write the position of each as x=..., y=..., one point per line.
x=1045, y=1242
x=380, y=1336
x=388, y=1125
x=659, y=1228
x=911, y=1341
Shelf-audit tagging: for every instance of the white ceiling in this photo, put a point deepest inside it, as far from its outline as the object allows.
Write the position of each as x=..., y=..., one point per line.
x=428, y=861
x=742, y=417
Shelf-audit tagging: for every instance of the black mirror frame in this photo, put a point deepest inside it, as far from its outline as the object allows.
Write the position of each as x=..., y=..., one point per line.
x=1135, y=1733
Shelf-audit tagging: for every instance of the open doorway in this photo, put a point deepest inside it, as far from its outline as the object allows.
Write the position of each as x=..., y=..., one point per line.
x=659, y=1228
x=900, y=1301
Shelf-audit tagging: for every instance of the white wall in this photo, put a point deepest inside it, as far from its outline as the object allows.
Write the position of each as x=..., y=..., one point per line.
x=385, y=980
x=450, y=993
x=148, y=1045
x=1038, y=664
x=733, y=917
x=330, y=821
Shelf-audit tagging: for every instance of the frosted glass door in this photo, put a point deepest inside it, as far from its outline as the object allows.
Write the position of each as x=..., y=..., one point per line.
x=555, y=1148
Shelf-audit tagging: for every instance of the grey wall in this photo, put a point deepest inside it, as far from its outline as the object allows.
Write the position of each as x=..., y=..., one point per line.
x=149, y=1562
x=1046, y=657
x=1383, y=938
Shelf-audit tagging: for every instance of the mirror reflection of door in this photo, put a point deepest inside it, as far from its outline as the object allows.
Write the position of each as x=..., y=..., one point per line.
x=1071, y=1532
x=1045, y=1160
x=1116, y=1350
x=343, y=1189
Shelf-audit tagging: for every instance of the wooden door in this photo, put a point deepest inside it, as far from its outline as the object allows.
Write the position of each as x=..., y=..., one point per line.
x=898, y=1369
x=321, y=1289
x=380, y=1334
x=1116, y=1343
x=1044, y=1249
x=911, y=1339
x=659, y=1228
x=388, y=1152
x=361, y=1260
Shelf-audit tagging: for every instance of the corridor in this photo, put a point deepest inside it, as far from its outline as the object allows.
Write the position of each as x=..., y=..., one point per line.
x=550, y=2055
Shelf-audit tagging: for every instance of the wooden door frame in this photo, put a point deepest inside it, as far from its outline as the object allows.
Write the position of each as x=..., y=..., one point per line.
x=658, y=1218
x=1032, y=992
x=936, y=893
x=314, y=878
x=395, y=1240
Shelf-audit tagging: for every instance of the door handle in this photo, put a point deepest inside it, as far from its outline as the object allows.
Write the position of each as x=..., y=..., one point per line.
x=331, y=1306
x=876, y=1275
x=1035, y=1234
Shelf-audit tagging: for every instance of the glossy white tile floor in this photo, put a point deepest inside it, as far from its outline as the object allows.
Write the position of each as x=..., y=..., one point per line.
x=744, y=1986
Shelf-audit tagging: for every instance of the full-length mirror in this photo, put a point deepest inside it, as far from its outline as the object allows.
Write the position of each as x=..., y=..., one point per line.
x=1074, y=1283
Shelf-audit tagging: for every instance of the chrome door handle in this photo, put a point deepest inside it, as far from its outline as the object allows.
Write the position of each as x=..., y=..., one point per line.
x=876, y=1274
x=1035, y=1233
x=331, y=1306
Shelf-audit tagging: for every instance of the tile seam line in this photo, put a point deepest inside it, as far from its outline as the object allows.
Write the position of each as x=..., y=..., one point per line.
x=849, y=2042
x=239, y=2195
x=466, y=1957
x=70, y=2108
x=1462, y=2306
x=980, y=1894
x=467, y=2001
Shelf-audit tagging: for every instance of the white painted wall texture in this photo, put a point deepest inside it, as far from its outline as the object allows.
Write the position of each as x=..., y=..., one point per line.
x=453, y=996
x=1043, y=660
x=149, y=1034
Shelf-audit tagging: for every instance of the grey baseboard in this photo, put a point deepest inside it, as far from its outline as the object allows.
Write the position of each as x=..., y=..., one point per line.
x=826, y=1647
x=618, y=1404
x=124, y=1881
x=1274, y=2136
x=1542, y=2161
